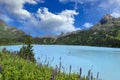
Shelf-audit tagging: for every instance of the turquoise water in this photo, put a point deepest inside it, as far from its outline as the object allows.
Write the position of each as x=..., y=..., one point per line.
x=106, y=61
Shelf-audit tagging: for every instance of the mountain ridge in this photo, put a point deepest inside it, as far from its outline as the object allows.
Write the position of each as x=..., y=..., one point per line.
x=8, y=31
x=10, y=34
x=106, y=22
x=104, y=33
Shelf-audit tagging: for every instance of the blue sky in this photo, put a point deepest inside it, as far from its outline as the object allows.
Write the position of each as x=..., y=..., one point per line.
x=51, y=17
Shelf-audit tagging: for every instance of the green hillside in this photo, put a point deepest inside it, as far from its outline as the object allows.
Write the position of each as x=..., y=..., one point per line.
x=10, y=34
x=105, y=33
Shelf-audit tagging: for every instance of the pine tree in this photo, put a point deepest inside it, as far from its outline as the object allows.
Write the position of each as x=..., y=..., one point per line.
x=26, y=52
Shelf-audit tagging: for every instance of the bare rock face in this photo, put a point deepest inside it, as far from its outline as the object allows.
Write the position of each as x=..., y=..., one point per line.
x=106, y=19
x=106, y=22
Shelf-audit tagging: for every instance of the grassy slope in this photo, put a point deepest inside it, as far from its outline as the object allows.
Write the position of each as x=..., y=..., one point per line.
x=10, y=35
x=14, y=68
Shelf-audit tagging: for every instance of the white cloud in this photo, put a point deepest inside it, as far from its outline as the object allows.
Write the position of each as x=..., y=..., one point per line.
x=51, y=23
x=109, y=6
x=5, y=18
x=16, y=7
x=113, y=6
x=66, y=1
x=78, y=1
x=115, y=14
x=42, y=21
x=87, y=25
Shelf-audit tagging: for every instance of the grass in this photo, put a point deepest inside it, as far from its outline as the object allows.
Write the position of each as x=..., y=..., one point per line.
x=12, y=67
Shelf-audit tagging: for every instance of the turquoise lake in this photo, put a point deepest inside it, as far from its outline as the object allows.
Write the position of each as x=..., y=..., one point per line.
x=104, y=60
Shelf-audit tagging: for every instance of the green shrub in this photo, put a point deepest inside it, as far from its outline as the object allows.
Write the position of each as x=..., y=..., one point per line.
x=16, y=68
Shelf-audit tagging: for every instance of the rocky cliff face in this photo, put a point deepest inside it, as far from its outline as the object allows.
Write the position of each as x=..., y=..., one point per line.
x=106, y=22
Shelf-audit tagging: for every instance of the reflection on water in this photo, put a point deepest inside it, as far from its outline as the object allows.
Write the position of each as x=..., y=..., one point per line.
x=106, y=61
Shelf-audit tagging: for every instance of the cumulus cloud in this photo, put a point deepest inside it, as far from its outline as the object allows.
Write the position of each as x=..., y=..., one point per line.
x=41, y=21
x=16, y=8
x=87, y=25
x=50, y=23
x=115, y=14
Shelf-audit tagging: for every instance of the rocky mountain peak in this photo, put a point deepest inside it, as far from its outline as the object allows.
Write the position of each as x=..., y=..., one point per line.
x=107, y=22
x=108, y=16
x=106, y=19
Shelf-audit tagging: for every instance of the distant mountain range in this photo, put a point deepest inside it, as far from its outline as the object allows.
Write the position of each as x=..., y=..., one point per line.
x=104, y=33
x=10, y=34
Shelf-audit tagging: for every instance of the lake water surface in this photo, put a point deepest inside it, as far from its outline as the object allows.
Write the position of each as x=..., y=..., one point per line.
x=106, y=61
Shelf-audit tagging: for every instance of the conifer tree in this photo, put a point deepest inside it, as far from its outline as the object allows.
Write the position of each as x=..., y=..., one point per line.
x=26, y=52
